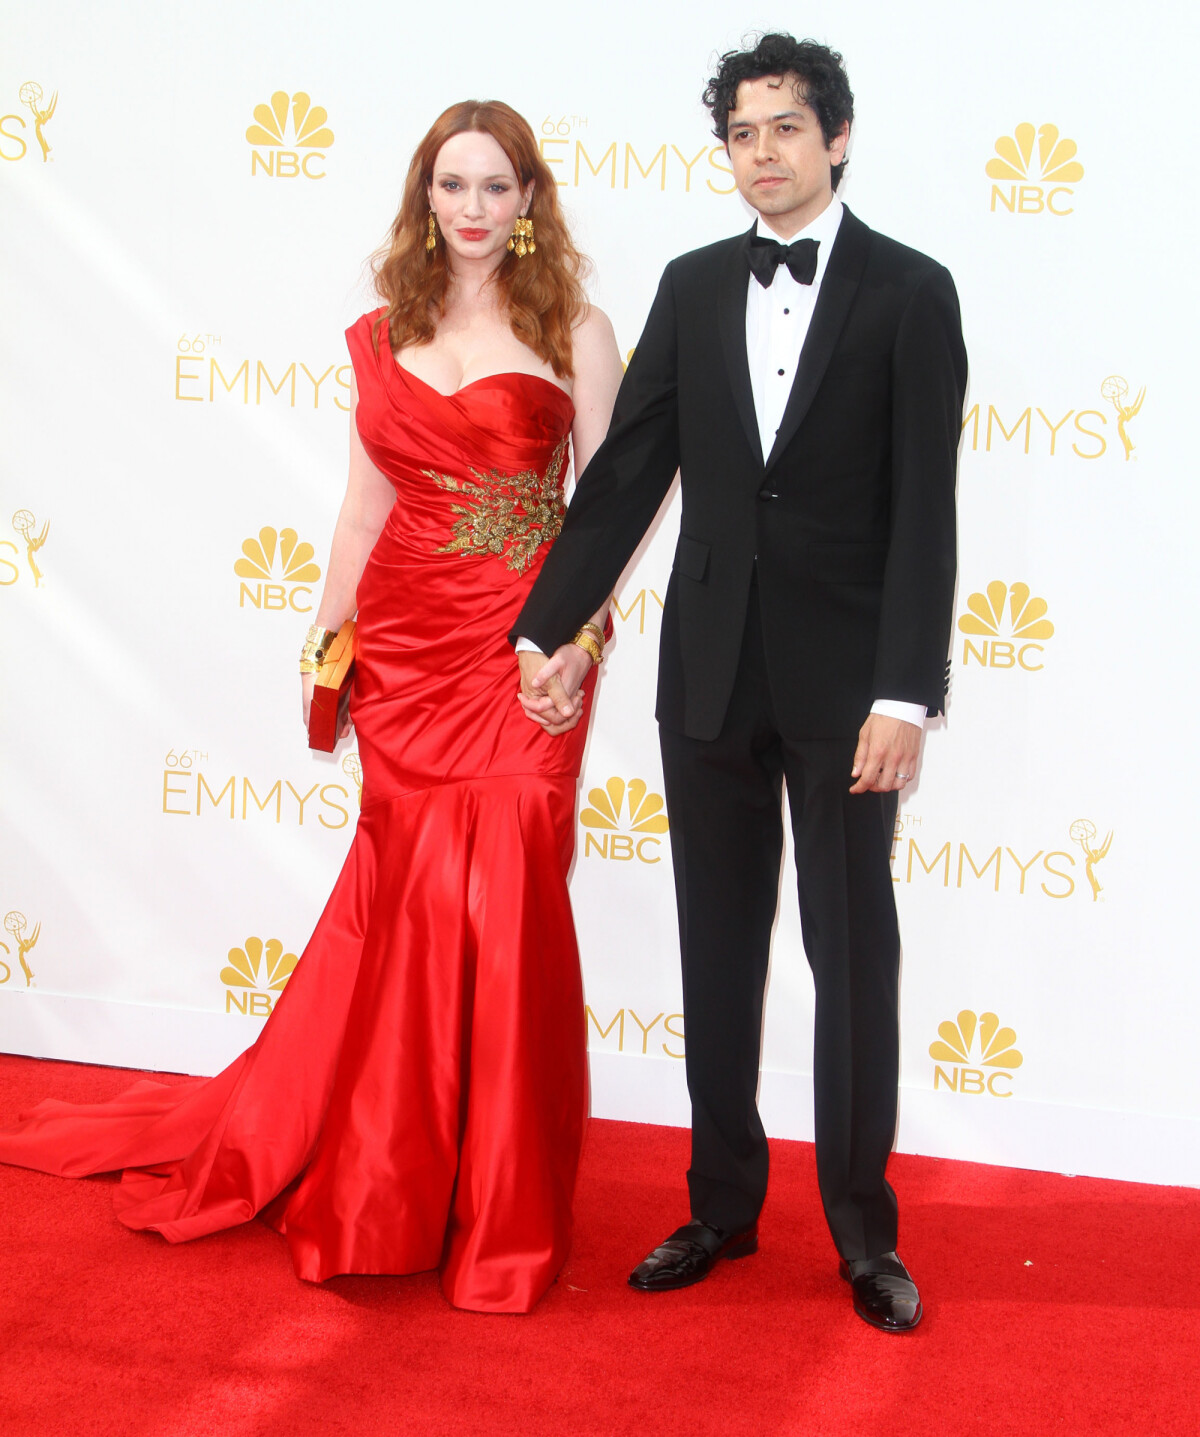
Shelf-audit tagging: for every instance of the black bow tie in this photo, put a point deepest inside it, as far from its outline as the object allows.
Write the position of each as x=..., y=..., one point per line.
x=766, y=255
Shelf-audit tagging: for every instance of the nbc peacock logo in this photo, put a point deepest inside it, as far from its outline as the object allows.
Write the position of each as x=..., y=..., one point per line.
x=1037, y=183
x=255, y=975
x=270, y=137
x=979, y=1067
x=276, y=571
x=628, y=818
x=1010, y=622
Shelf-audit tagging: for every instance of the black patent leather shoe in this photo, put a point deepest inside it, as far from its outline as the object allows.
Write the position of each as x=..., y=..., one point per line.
x=689, y=1255
x=884, y=1293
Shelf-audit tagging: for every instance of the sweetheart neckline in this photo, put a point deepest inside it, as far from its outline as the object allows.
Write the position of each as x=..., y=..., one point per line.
x=483, y=379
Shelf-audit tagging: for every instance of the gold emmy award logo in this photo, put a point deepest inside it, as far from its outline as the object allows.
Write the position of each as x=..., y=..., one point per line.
x=1116, y=390
x=12, y=126
x=261, y=970
x=1083, y=831
x=24, y=524
x=31, y=96
x=645, y=819
x=1011, y=612
x=309, y=132
x=352, y=768
x=995, y=1051
x=296, y=571
x=1056, y=168
x=16, y=924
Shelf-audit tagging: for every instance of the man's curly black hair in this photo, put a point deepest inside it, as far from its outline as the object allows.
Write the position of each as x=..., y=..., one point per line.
x=820, y=75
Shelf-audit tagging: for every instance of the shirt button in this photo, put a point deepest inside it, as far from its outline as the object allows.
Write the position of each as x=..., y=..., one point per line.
x=781, y=371
x=787, y=311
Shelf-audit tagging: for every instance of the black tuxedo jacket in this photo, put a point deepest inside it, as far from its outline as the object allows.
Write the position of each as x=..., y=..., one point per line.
x=850, y=520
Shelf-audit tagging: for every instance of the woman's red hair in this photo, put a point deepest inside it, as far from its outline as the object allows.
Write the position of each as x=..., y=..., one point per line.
x=543, y=292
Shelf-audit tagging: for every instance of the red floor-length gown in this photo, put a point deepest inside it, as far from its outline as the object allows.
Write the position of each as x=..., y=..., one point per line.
x=418, y=1097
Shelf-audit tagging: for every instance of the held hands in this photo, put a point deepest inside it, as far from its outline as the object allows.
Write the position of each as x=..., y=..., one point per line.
x=886, y=756
x=550, y=688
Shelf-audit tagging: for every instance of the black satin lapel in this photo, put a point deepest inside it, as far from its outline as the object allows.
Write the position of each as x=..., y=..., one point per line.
x=731, y=322
x=838, y=288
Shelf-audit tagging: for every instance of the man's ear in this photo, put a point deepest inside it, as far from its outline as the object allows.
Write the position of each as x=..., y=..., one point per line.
x=837, y=146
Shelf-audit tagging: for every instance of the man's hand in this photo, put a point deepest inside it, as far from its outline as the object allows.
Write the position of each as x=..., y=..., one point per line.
x=886, y=756
x=550, y=687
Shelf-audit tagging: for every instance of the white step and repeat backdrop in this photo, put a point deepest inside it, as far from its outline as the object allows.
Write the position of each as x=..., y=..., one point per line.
x=189, y=194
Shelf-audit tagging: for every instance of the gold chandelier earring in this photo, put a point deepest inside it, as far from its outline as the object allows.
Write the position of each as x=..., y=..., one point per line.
x=431, y=237
x=521, y=239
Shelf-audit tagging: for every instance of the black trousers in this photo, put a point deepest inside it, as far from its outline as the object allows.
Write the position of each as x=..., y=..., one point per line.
x=724, y=799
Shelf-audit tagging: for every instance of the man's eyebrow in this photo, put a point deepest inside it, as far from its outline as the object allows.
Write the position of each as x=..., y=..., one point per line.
x=783, y=115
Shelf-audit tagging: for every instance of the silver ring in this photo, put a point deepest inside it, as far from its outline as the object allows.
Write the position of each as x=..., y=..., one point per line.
x=904, y=776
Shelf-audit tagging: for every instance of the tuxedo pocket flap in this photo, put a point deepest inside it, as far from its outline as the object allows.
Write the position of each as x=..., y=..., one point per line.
x=846, y=563
x=691, y=558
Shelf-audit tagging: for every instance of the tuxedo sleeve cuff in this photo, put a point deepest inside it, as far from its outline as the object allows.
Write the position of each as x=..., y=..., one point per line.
x=895, y=708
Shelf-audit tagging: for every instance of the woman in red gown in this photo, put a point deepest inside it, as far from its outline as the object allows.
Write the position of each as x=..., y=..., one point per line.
x=418, y=1097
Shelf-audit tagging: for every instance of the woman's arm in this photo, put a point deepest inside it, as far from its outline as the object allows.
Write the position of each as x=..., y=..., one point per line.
x=597, y=379
x=367, y=503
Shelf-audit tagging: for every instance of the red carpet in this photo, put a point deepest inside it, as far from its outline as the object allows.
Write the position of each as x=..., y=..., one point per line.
x=1052, y=1305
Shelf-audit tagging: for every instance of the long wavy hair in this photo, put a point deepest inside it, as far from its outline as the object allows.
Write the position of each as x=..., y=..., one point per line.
x=543, y=292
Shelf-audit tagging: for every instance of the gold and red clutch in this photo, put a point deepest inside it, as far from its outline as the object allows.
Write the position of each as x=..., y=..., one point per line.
x=331, y=691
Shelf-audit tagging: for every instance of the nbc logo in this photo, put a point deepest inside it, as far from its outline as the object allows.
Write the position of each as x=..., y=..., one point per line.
x=1009, y=612
x=628, y=817
x=260, y=971
x=957, y=1047
x=295, y=572
x=309, y=133
x=1055, y=166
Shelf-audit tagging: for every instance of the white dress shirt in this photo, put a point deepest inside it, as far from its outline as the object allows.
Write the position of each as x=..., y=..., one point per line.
x=777, y=321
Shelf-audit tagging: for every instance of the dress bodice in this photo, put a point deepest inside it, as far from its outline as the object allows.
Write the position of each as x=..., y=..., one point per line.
x=479, y=472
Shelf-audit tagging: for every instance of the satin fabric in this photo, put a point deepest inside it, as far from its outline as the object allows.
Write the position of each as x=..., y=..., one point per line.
x=418, y=1097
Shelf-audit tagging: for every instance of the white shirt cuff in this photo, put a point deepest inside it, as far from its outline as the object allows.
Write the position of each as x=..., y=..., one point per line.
x=895, y=708
x=526, y=646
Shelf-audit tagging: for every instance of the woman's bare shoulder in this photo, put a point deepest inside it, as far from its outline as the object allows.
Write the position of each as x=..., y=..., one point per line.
x=593, y=336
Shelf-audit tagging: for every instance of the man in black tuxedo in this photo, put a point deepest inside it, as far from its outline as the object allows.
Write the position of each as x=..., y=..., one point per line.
x=807, y=380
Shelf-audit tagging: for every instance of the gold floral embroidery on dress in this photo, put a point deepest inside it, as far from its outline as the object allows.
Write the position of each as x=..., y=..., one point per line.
x=514, y=512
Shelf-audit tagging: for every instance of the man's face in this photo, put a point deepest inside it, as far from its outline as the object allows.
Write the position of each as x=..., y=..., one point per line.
x=781, y=163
